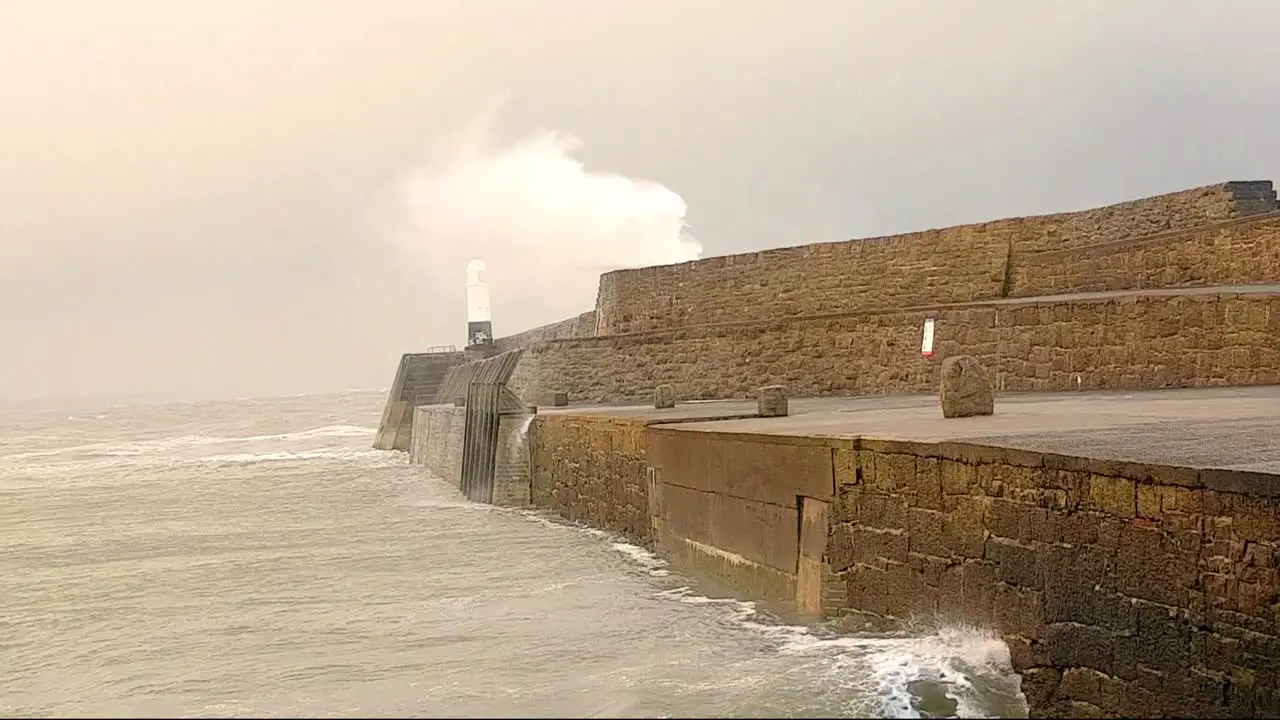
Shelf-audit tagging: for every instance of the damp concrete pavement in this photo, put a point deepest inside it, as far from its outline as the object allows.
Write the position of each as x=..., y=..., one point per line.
x=1235, y=428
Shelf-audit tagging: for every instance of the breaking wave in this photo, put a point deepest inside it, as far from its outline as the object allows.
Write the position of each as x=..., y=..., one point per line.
x=951, y=671
x=144, y=447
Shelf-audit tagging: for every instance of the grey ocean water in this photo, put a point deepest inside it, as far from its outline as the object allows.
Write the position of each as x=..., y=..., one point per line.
x=256, y=558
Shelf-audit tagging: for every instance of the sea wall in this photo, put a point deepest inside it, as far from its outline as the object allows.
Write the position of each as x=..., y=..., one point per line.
x=1120, y=588
x=437, y=442
x=592, y=471
x=955, y=264
x=1143, y=590
x=733, y=507
x=1132, y=342
x=1234, y=252
x=578, y=326
x=418, y=379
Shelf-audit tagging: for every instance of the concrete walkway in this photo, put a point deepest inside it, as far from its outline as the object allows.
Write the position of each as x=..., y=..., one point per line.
x=1236, y=428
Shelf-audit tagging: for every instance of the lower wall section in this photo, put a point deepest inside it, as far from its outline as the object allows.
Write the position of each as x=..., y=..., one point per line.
x=733, y=507
x=1119, y=587
x=511, y=476
x=437, y=441
x=593, y=471
x=438, y=434
x=1132, y=342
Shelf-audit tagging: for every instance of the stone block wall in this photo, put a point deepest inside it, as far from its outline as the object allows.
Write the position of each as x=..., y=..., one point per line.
x=579, y=326
x=437, y=441
x=730, y=507
x=956, y=264
x=1132, y=342
x=592, y=471
x=438, y=434
x=1234, y=252
x=511, y=475
x=1137, y=589
x=418, y=379
x=935, y=266
x=1154, y=215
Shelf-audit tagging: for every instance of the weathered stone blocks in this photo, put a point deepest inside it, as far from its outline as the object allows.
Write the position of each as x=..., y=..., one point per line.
x=559, y=399
x=771, y=401
x=664, y=396
x=966, y=388
x=1042, y=346
x=1120, y=588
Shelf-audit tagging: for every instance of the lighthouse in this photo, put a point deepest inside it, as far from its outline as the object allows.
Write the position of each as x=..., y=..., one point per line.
x=479, y=322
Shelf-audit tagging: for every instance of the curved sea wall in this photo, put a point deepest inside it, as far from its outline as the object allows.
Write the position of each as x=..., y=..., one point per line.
x=1121, y=585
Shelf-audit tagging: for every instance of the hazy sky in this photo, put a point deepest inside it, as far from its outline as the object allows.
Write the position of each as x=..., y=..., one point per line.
x=226, y=198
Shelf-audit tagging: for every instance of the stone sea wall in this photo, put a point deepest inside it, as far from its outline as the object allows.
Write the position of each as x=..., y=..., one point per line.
x=578, y=326
x=437, y=442
x=947, y=265
x=1235, y=252
x=592, y=471
x=418, y=379
x=1143, y=590
x=1131, y=342
x=1119, y=587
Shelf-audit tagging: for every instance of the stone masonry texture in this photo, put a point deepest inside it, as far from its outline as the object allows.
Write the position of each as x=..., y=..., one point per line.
x=437, y=444
x=956, y=264
x=592, y=471
x=1132, y=342
x=438, y=436
x=1120, y=588
x=418, y=379
x=579, y=326
x=965, y=390
x=1235, y=252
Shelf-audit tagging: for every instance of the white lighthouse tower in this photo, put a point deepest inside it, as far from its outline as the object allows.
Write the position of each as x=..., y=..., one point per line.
x=479, y=321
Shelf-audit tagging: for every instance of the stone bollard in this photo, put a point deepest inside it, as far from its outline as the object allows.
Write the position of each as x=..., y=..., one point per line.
x=664, y=396
x=771, y=401
x=559, y=399
x=966, y=388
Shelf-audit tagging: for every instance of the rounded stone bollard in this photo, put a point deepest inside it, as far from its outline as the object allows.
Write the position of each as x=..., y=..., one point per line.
x=966, y=389
x=664, y=396
x=771, y=401
x=559, y=399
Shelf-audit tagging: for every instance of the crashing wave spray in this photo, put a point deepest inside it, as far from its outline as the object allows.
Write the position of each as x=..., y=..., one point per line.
x=546, y=225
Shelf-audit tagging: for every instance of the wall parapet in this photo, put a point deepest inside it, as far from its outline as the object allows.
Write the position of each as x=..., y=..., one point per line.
x=1130, y=340
x=578, y=326
x=955, y=264
x=1238, y=251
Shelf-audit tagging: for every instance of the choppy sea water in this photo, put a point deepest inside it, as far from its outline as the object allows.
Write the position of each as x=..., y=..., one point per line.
x=255, y=557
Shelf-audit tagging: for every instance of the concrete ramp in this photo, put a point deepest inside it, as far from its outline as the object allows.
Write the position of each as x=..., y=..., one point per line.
x=418, y=382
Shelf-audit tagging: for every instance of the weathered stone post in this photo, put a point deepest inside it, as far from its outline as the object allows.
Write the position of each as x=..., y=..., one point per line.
x=966, y=388
x=559, y=399
x=771, y=401
x=664, y=396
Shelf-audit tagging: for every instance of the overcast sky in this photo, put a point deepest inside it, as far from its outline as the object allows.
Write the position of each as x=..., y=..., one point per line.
x=212, y=198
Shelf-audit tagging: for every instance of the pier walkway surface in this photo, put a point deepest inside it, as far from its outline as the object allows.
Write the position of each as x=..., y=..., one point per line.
x=1230, y=428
